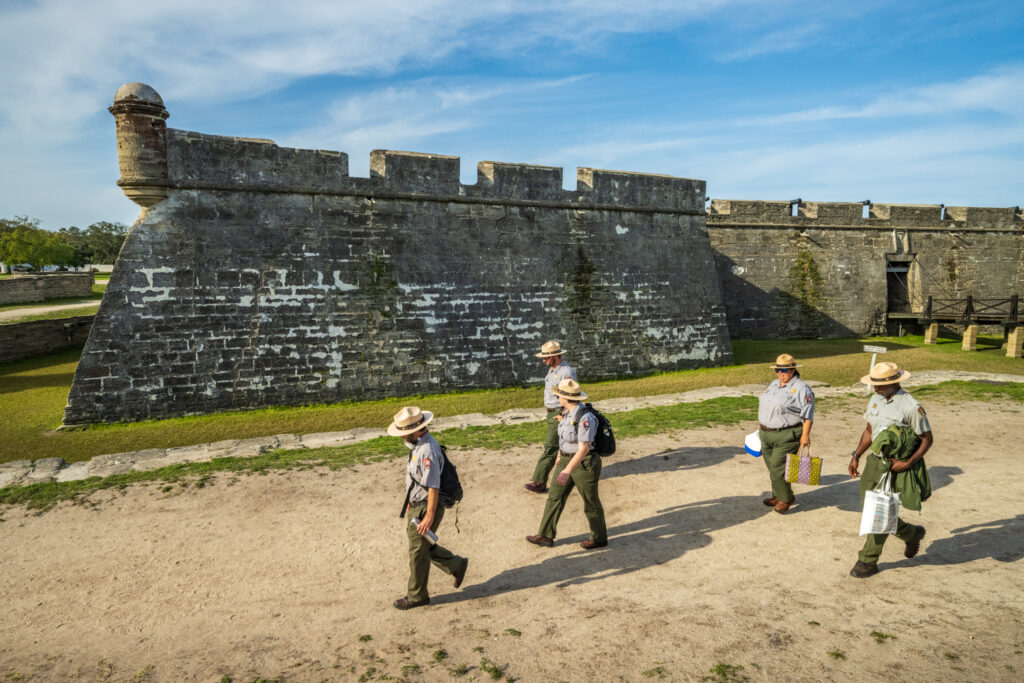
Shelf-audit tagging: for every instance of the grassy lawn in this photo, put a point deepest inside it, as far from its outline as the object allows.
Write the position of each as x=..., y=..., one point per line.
x=719, y=411
x=33, y=394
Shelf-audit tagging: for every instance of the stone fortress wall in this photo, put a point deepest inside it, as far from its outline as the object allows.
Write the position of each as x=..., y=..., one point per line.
x=259, y=275
x=19, y=289
x=836, y=269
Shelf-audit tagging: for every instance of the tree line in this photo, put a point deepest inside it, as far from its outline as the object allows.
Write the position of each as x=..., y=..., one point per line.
x=22, y=241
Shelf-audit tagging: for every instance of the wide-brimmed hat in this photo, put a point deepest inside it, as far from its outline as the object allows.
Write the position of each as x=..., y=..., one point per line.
x=785, y=362
x=570, y=389
x=885, y=373
x=408, y=420
x=551, y=348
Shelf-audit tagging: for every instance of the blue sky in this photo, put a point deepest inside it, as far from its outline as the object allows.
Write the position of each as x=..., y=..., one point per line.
x=905, y=102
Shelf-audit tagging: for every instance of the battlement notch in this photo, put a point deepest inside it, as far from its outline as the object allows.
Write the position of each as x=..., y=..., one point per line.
x=985, y=217
x=910, y=215
x=518, y=181
x=640, y=189
x=416, y=172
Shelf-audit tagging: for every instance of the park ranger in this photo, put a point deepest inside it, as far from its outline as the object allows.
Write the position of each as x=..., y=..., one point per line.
x=785, y=413
x=423, y=483
x=889, y=405
x=578, y=466
x=551, y=353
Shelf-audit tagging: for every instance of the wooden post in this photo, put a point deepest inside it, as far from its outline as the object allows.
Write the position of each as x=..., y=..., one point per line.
x=971, y=337
x=1015, y=342
x=931, y=333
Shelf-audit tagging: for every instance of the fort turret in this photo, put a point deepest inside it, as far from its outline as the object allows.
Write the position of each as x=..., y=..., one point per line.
x=141, y=143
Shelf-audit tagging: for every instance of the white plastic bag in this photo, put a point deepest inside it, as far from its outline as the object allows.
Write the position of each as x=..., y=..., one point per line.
x=881, y=508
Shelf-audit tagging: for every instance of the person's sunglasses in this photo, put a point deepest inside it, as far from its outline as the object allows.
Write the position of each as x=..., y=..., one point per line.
x=783, y=369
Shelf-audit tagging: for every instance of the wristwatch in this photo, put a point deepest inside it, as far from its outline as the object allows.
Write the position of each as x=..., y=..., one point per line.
x=854, y=453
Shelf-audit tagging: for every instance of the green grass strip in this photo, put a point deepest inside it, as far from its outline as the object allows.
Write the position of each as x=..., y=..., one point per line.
x=33, y=394
x=635, y=423
x=719, y=411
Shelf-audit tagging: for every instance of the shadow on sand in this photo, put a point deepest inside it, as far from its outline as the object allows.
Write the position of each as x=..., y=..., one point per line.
x=666, y=536
x=674, y=460
x=842, y=492
x=1002, y=540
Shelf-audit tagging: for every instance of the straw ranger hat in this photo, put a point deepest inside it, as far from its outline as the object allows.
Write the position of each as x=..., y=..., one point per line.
x=570, y=389
x=409, y=420
x=551, y=348
x=785, y=362
x=885, y=373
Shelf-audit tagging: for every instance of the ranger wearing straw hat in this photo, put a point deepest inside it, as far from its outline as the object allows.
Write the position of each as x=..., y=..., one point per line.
x=785, y=413
x=423, y=483
x=579, y=467
x=889, y=405
x=551, y=353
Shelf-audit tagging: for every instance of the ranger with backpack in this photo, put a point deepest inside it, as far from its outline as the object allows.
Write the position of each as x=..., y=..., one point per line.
x=428, y=491
x=579, y=466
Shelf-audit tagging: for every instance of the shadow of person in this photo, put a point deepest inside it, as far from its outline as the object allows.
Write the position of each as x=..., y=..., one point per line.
x=637, y=545
x=1002, y=540
x=843, y=492
x=673, y=460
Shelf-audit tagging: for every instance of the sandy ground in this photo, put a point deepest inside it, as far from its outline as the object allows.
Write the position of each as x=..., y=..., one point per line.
x=16, y=313
x=291, y=576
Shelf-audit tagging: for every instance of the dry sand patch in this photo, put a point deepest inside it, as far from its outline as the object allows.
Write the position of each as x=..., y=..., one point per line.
x=278, y=576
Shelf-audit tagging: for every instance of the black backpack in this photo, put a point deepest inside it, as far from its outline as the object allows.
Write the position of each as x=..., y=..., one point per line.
x=450, y=491
x=604, y=442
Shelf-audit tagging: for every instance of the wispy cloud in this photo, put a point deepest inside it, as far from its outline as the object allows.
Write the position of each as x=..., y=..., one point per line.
x=1000, y=91
x=408, y=116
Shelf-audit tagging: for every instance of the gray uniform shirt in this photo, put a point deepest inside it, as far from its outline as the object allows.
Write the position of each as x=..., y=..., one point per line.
x=786, y=406
x=424, y=469
x=902, y=409
x=554, y=376
x=578, y=424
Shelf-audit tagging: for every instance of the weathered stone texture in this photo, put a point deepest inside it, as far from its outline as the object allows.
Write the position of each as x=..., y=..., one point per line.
x=19, y=288
x=822, y=273
x=270, y=277
x=39, y=337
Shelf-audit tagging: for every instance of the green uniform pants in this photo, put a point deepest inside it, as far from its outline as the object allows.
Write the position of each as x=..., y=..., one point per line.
x=874, y=468
x=422, y=552
x=774, y=447
x=584, y=477
x=550, y=454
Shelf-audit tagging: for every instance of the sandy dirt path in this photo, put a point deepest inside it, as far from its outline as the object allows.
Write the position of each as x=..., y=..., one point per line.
x=291, y=576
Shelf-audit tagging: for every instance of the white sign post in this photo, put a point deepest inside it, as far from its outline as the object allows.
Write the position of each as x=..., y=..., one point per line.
x=874, y=350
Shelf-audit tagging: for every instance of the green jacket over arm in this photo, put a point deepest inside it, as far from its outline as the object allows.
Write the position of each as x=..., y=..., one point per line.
x=898, y=442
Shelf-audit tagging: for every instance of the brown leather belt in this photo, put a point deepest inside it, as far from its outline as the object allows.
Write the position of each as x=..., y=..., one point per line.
x=777, y=429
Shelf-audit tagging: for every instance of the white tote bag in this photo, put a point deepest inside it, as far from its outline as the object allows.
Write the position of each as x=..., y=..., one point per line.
x=881, y=508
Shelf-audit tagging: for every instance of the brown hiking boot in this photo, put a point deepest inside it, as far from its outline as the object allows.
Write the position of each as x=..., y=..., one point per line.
x=863, y=571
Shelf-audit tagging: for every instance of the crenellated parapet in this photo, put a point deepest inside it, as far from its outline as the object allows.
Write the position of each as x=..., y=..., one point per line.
x=155, y=159
x=265, y=275
x=861, y=215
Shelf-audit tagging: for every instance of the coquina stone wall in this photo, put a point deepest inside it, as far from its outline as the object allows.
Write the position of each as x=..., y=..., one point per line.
x=38, y=337
x=19, y=288
x=822, y=272
x=259, y=275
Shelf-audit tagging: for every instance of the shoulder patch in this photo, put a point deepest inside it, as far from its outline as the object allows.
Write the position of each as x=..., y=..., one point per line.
x=920, y=410
x=426, y=463
x=586, y=424
x=808, y=399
